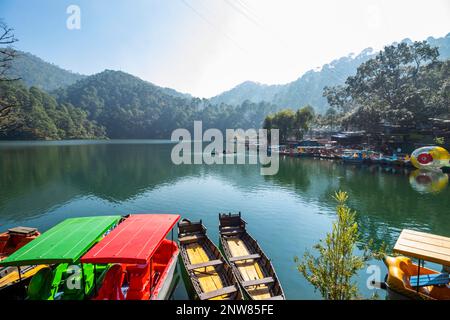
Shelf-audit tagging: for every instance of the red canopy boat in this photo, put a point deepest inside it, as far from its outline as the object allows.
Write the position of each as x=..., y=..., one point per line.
x=16, y=238
x=143, y=259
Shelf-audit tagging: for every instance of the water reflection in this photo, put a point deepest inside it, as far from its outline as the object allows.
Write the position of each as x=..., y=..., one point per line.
x=427, y=181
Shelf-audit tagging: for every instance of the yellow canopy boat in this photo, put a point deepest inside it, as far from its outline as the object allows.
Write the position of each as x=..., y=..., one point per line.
x=414, y=281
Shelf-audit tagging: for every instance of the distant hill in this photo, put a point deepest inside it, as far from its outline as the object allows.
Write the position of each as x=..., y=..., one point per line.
x=252, y=91
x=129, y=107
x=308, y=88
x=35, y=72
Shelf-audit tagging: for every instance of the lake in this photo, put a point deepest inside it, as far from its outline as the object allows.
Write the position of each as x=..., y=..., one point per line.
x=43, y=183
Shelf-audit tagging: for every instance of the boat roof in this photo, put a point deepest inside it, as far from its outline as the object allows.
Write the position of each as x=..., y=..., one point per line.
x=425, y=246
x=134, y=241
x=64, y=243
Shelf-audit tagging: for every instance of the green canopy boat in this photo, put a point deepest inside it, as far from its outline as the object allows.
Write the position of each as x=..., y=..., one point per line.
x=61, y=247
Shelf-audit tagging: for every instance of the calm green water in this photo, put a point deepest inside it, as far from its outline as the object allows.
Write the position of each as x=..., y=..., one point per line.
x=42, y=183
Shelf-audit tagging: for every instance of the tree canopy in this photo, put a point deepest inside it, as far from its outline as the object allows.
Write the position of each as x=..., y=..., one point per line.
x=290, y=123
x=405, y=84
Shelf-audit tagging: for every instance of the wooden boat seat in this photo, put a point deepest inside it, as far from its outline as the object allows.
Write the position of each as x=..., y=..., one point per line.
x=206, y=264
x=217, y=293
x=229, y=231
x=23, y=231
x=276, y=298
x=433, y=279
x=249, y=257
x=191, y=238
x=257, y=282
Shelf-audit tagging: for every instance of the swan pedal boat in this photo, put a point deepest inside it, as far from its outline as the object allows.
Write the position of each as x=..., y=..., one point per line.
x=409, y=280
x=251, y=267
x=210, y=276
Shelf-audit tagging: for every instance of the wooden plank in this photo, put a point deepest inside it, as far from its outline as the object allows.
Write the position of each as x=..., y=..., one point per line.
x=248, y=257
x=421, y=254
x=217, y=293
x=190, y=238
x=429, y=248
x=210, y=263
x=424, y=246
x=249, y=270
x=257, y=282
x=208, y=278
x=276, y=298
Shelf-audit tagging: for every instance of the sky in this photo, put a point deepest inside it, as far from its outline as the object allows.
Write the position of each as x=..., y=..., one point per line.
x=204, y=47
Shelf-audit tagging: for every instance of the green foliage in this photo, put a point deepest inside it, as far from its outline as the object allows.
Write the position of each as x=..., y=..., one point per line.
x=37, y=115
x=129, y=107
x=331, y=272
x=404, y=84
x=439, y=141
x=290, y=123
x=35, y=72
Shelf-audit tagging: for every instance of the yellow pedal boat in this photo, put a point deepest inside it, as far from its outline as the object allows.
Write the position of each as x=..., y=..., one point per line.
x=402, y=269
x=415, y=281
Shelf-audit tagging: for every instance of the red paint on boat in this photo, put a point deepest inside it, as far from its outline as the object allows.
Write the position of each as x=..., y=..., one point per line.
x=142, y=255
x=14, y=239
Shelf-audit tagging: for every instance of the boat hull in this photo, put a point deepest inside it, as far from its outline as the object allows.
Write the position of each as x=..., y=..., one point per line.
x=400, y=270
x=251, y=267
x=205, y=271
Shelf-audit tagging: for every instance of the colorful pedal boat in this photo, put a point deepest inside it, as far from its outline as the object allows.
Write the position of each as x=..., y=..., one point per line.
x=141, y=261
x=401, y=279
x=16, y=238
x=414, y=281
x=11, y=241
x=57, y=253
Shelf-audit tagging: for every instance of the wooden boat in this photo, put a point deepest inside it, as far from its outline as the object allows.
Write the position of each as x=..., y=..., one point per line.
x=414, y=281
x=210, y=275
x=250, y=265
x=141, y=262
x=57, y=253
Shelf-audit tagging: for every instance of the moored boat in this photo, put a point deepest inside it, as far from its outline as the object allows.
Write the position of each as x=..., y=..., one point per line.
x=208, y=272
x=252, y=268
x=406, y=279
x=56, y=254
x=16, y=238
x=140, y=261
x=353, y=157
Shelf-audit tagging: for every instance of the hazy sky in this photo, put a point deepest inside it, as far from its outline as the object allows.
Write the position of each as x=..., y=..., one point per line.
x=204, y=47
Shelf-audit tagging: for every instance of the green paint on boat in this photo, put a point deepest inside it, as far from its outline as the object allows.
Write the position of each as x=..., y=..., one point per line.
x=64, y=243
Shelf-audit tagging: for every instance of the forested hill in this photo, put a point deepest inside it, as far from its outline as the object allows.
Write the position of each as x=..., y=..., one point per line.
x=36, y=115
x=129, y=107
x=35, y=72
x=308, y=89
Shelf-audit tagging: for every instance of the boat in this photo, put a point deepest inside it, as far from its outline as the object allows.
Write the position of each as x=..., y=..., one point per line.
x=16, y=238
x=210, y=276
x=140, y=261
x=251, y=267
x=408, y=280
x=57, y=254
x=355, y=156
x=11, y=241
